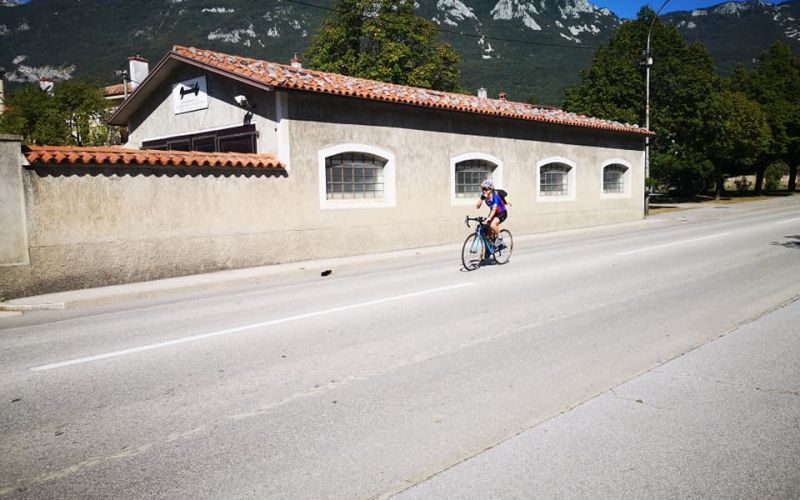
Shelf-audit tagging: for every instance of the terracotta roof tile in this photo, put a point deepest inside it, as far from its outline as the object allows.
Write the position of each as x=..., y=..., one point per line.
x=110, y=155
x=285, y=76
x=117, y=90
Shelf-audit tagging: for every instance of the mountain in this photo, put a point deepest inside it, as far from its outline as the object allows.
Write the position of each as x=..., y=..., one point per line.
x=529, y=49
x=736, y=32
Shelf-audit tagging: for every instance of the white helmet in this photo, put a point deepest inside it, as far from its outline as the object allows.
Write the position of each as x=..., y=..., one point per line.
x=488, y=184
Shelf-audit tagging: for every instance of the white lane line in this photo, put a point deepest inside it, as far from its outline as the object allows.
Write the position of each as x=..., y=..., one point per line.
x=788, y=221
x=194, y=338
x=674, y=243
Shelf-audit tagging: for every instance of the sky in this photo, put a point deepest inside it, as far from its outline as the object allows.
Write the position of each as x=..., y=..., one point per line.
x=627, y=9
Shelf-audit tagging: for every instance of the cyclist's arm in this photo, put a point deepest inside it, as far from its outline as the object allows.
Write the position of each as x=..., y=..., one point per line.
x=480, y=202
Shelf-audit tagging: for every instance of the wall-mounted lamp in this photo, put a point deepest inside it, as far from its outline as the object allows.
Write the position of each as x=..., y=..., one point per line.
x=242, y=102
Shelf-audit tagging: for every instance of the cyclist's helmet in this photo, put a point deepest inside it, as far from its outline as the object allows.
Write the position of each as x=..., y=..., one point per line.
x=488, y=184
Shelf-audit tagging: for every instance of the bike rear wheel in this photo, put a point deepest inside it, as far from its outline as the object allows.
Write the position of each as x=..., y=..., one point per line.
x=503, y=252
x=472, y=252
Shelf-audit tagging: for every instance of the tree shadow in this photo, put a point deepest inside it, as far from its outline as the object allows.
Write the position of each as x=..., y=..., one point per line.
x=793, y=242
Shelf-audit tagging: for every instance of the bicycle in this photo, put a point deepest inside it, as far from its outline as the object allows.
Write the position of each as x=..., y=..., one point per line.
x=477, y=246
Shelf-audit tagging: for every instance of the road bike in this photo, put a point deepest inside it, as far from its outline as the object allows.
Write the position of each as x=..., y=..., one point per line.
x=477, y=247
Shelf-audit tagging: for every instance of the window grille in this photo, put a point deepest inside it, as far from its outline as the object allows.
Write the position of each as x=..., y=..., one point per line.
x=554, y=180
x=469, y=175
x=614, y=179
x=353, y=176
x=235, y=140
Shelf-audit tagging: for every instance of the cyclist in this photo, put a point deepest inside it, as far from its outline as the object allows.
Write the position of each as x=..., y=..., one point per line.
x=497, y=209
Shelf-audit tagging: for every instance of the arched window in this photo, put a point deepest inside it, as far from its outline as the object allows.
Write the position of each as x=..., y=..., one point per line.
x=614, y=179
x=556, y=179
x=469, y=175
x=468, y=170
x=354, y=176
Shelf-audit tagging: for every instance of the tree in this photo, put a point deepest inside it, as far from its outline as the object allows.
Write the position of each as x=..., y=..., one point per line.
x=774, y=82
x=741, y=135
x=384, y=40
x=683, y=82
x=74, y=113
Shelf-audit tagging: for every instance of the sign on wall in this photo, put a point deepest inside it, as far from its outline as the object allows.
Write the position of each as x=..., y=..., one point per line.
x=189, y=95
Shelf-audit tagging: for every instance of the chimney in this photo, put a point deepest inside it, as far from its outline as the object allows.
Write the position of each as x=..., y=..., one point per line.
x=46, y=84
x=139, y=68
x=502, y=96
x=296, y=63
x=2, y=90
x=482, y=93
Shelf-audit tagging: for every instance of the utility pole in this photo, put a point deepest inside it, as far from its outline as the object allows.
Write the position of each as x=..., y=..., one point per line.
x=648, y=62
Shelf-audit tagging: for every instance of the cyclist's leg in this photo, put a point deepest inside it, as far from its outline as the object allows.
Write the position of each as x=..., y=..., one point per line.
x=495, y=228
x=499, y=220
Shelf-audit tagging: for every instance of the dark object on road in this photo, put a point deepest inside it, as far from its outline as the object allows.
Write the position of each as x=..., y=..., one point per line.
x=326, y=272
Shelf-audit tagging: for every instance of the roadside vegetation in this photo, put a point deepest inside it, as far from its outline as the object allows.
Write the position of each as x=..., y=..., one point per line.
x=73, y=113
x=711, y=130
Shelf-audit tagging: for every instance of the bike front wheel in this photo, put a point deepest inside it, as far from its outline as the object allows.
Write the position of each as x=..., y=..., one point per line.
x=472, y=252
x=502, y=252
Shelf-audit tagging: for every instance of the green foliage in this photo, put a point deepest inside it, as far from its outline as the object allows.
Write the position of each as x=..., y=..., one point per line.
x=384, y=40
x=74, y=113
x=773, y=175
x=774, y=82
x=706, y=128
x=687, y=174
x=740, y=130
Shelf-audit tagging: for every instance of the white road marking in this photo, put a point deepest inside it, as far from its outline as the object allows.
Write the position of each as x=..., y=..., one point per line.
x=194, y=338
x=674, y=243
x=788, y=221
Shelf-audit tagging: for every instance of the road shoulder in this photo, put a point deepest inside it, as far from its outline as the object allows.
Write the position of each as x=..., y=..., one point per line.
x=718, y=422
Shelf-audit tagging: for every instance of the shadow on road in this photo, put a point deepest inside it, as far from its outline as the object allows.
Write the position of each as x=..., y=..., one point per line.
x=793, y=242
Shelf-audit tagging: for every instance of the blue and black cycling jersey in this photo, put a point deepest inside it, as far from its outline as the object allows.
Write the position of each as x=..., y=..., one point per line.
x=494, y=199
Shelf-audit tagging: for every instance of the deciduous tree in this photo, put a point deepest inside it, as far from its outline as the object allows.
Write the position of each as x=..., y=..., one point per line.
x=683, y=81
x=740, y=135
x=74, y=113
x=384, y=40
x=774, y=82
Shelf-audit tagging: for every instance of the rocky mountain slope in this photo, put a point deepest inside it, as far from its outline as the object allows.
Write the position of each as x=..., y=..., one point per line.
x=529, y=49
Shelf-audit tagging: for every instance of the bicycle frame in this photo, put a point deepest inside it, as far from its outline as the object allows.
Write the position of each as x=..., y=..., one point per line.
x=480, y=229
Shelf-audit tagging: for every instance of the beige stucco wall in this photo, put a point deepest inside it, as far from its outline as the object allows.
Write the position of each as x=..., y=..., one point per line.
x=424, y=142
x=90, y=230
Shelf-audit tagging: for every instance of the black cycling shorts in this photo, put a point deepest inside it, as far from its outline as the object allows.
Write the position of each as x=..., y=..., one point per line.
x=502, y=216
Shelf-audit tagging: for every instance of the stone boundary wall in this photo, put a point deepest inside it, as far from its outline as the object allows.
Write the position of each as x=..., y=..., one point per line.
x=13, y=222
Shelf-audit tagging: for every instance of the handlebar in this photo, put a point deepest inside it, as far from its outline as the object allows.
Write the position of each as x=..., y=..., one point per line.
x=479, y=220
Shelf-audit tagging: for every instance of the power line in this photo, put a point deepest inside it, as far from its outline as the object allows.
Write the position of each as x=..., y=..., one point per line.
x=466, y=35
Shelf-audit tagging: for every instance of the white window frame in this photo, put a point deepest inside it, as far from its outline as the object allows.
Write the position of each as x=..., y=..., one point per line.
x=571, y=180
x=626, y=179
x=497, y=174
x=389, y=191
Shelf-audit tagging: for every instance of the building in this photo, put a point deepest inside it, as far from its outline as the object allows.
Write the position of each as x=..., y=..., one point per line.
x=355, y=166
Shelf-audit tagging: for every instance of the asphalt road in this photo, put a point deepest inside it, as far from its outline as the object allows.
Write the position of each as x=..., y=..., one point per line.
x=382, y=375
